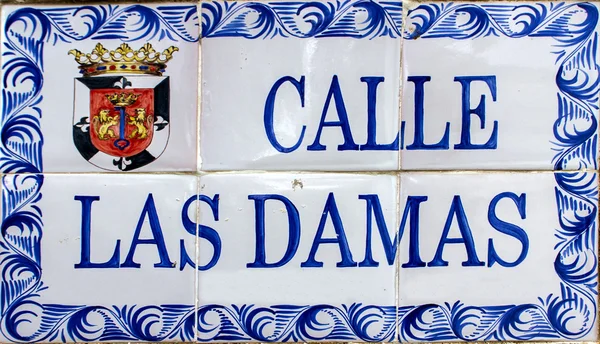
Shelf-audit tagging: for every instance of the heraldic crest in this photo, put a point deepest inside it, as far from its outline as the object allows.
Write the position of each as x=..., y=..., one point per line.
x=121, y=111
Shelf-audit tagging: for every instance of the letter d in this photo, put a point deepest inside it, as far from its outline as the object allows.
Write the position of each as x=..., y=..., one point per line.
x=260, y=260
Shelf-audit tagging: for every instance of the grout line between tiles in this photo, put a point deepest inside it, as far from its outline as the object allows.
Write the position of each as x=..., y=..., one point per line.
x=92, y=2
x=398, y=178
x=401, y=86
x=95, y=2
x=199, y=99
x=197, y=260
x=597, y=254
x=1, y=187
x=512, y=342
x=198, y=169
x=597, y=234
x=275, y=172
x=397, y=264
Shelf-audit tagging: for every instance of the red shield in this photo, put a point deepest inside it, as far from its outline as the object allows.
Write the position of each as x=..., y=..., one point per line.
x=121, y=120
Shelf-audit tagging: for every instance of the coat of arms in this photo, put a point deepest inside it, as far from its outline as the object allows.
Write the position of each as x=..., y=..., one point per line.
x=121, y=116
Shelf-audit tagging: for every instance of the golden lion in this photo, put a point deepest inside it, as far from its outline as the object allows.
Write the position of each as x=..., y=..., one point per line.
x=139, y=121
x=102, y=124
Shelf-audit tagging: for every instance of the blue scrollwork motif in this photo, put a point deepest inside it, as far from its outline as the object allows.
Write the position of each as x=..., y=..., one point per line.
x=26, y=32
x=284, y=323
x=347, y=18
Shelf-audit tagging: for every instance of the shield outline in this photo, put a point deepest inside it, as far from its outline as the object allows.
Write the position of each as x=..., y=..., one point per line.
x=81, y=120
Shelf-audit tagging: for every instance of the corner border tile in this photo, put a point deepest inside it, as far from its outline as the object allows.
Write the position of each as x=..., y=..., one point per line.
x=575, y=135
x=570, y=312
x=47, y=24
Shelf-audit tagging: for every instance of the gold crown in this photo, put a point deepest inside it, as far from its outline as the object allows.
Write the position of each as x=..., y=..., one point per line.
x=123, y=60
x=122, y=99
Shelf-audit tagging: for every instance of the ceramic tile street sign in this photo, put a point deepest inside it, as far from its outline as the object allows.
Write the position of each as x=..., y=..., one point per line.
x=357, y=170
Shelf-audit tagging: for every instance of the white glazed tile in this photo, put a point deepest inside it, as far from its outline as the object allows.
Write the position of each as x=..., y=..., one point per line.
x=272, y=72
x=518, y=260
x=52, y=292
x=333, y=297
x=52, y=110
x=499, y=86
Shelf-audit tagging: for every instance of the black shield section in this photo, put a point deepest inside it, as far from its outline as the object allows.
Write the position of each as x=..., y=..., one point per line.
x=161, y=105
x=133, y=162
x=82, y=140
x=100, y=82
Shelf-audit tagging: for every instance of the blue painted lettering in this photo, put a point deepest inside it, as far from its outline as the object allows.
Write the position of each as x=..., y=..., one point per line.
x=507, y=228
x=340, y=239
x=260, y=260
x=372, y=83
x=465, y=133
x=457, y=210
x=335, y=92
x=86, y=219
x=419, y=138
x=270, y=108
x=157, y=238
x=342, y=122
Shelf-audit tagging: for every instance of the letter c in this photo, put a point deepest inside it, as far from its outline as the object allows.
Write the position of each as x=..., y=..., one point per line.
x=269, y=109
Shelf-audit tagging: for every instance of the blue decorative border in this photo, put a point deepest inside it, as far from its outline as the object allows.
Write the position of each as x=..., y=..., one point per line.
x=283, y=323
x=575, y=132
x=26, y=32
x=267, y=20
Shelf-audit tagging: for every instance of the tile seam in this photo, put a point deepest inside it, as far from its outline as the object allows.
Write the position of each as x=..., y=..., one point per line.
x=273, y=172
x=92, y=2
x=199, y=93
x=401, y=83
x=198, y=174
x=398, y=178
x=597, y=229
x=197, y=260
x=597, y=254
x=97, y=2
x=397, y=258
